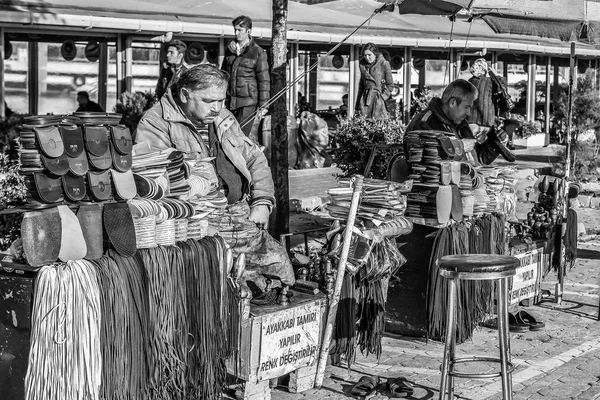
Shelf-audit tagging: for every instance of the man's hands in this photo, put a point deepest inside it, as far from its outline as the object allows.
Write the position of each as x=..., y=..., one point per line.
x=260, y=216
x=469, y=144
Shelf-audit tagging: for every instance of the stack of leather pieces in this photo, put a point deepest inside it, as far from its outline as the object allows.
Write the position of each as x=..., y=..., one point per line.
x=381, y=200
x=43, y=159
x=178, y=172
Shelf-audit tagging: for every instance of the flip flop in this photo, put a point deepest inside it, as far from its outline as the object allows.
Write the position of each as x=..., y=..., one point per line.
x=365, y=386
x=515, y=326
x=400, y=387
x=525, y=318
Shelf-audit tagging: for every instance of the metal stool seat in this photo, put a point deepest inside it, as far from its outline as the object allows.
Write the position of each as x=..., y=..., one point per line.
x=477, y=267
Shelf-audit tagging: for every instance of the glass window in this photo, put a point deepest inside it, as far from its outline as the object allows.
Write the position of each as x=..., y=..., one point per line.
x=332, y=81
x=60, y=80
x=15, y=78
x=111, y=80
x=145, y=67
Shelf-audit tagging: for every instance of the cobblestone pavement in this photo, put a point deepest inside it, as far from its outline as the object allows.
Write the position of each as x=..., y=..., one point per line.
x=560, y=362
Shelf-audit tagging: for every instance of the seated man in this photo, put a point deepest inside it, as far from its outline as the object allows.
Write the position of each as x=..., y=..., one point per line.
x=86, y=105
x=191, y=118
x=449, y=114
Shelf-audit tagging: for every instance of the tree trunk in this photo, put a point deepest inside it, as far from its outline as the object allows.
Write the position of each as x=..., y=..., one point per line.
x=279, y=135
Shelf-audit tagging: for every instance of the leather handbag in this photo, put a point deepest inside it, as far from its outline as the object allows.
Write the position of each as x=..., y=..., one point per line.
x=79, y=165
x=121, y=139
x=99, y=185
x=72, y=139
x=120, y=162
x=102, y=162
x=96, y=139
x=74, y=187
x=49, y=141
x=56, y=166
x=44, y=187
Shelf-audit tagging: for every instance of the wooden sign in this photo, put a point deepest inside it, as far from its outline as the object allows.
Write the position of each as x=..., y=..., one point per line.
x=289, y=340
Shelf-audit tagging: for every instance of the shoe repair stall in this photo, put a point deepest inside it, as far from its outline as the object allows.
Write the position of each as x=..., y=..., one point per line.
x=117, y=283
x=459, y=208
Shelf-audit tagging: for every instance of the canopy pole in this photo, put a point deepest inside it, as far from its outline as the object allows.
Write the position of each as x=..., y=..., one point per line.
x=572, y=82
x=2, y=52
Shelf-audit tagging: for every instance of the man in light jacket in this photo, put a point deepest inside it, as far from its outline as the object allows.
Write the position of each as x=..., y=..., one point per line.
x=191, y=118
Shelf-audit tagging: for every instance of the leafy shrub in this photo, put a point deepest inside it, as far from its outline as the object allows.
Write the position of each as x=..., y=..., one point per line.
x=132, y=106
x=355, y=138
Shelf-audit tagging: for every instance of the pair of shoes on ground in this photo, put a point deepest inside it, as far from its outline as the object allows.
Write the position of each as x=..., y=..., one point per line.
x=521, y=322
x=397, y=387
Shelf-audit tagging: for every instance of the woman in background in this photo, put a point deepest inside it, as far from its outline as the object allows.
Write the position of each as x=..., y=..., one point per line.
x=375, y=84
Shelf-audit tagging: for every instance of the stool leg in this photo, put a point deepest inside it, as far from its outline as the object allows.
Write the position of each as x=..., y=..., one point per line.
x=448, y=345
x=504, y=338
x=453, y=339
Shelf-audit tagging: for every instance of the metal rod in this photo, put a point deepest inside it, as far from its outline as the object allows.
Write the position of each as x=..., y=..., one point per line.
x=339, y=280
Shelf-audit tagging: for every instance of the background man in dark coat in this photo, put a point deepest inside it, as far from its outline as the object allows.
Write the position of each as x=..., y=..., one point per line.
x=86, y=105
x=449, y=115
x=173, y=68
x=246, y=63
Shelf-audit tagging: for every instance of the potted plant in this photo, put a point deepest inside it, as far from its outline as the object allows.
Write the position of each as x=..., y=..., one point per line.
x=355, y=138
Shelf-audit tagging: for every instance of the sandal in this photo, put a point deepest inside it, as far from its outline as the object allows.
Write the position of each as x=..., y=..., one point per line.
x=526, y=318
x=514, y=325
x=365, y=386
x=400, y=387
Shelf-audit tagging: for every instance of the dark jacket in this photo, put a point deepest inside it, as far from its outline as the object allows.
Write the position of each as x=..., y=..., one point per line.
x=249, y=83
x=374, y=88
x=91, y=106
x=168, y=76
x=433, y=118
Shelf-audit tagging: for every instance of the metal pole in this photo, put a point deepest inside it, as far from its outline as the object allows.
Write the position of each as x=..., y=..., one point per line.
x=2, y=50
x=572, y=85
x=531, y=88
x=33, y=78
x=103, y=75
x=128, y=64
x=352, y=87
x=339, y=280
x=548, y=100
x=120, y=66
x=221, y=51
x=406, y=76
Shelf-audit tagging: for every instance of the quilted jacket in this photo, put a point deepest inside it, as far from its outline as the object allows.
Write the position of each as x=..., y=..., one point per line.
x=249, y=83
x=165, y=126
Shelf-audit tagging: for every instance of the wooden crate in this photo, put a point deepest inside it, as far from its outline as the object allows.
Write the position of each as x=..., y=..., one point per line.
x=279, y=340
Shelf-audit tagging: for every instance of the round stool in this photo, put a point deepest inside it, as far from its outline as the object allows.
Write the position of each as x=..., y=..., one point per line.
x=477, y=267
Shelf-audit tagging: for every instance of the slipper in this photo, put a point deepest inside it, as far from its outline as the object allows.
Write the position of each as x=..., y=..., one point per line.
x=455, y=167
x=443, y=201
x=526, y=318
x=515, y=326
x=365, y=386
x=457, y=209
x=400, y=387
x=446, y=172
